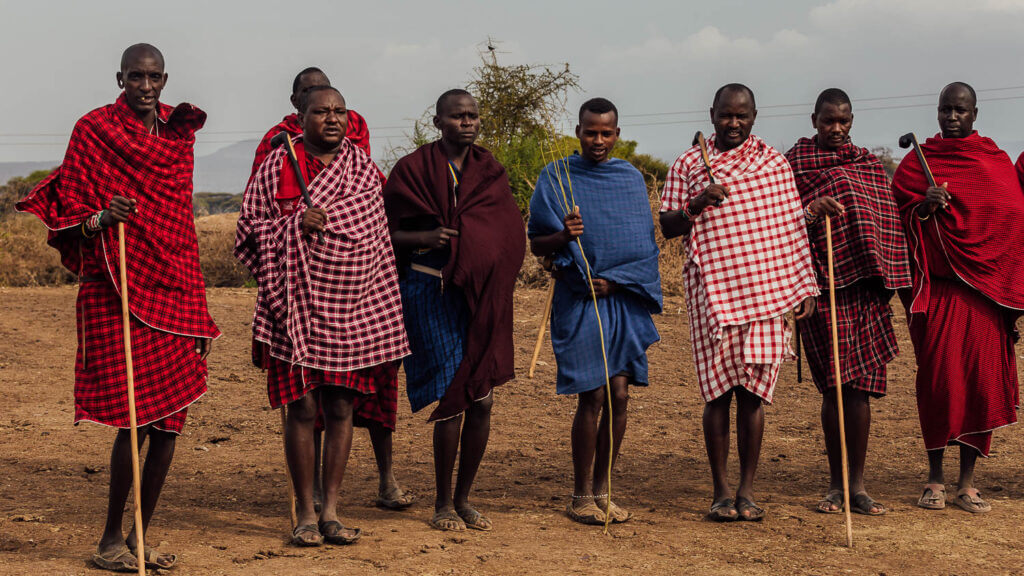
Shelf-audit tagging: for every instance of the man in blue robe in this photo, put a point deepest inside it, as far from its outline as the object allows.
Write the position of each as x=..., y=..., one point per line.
x=620, y=255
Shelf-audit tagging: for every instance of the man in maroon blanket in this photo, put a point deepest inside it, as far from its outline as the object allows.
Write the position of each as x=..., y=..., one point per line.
x=389, y=494
x=964, y=235
x=131, y=162
x=848, y=184
x=328, y=311
x=460, y=240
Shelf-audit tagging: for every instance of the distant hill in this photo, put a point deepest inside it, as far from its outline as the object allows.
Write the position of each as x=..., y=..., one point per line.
x=10, y=170
x=226, y=170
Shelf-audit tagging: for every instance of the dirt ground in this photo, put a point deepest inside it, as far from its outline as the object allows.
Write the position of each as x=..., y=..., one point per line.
x=224, y=507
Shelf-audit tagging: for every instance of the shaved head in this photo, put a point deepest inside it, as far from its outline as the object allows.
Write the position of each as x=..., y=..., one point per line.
x=138, y=51
x=958, y=86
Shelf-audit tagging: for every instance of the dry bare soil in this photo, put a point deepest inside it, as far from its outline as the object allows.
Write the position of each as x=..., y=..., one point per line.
x=224, y=507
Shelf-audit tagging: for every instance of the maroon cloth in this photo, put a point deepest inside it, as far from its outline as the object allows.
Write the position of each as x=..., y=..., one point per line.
x=485, y=257
x=376, y=388
x=111, y=153
x=868, y=238
x=867, y=341
x=358, y=132
x=983, y=225
x=966, y=292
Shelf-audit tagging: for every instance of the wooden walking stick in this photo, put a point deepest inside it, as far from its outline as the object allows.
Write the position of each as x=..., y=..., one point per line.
x=839, y=380
x=140, y=549
x=287, y=469
x=543, y=327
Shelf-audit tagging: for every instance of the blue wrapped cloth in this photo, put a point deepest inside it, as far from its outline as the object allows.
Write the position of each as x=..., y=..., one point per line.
x=618, y=239
x=436, y=322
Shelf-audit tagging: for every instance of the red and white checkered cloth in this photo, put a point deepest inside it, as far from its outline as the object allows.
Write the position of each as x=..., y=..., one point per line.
x=748, y=263
x=332, y=305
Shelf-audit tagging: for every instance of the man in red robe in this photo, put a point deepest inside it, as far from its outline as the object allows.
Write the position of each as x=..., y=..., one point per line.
x=131, y=162
x=390, y=494
x=968, y=290
x=328, y=312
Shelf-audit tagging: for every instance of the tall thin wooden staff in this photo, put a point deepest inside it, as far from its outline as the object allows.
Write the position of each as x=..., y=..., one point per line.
x=287, y=469
x=140, y=551
x=839, y=380
x=543, y=326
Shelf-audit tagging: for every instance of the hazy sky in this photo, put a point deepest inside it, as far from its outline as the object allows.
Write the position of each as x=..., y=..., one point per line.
x=390, y=59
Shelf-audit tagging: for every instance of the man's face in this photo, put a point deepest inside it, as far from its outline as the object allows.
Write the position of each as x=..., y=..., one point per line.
x=325, y=120
x=307, y=81
x=458, y=120
x=598, y=134
x=143, y=79
x=833, y=123
x=733, y=117
x=957, y=112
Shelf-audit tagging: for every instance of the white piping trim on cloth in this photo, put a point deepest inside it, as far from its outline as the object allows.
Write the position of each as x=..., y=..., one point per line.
x=489, y=394
x=945, y=253
x=958, y=442
x=140, y=424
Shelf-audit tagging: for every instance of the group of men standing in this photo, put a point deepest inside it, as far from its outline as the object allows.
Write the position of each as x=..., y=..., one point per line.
x=358, y=274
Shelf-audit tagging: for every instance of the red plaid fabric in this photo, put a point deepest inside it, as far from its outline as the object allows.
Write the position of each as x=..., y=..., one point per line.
x=111, y=153
x=358, y=132
x=376, y=386
x=332, y=305
x=867, y=341
x=748, y=263
x=867, y=239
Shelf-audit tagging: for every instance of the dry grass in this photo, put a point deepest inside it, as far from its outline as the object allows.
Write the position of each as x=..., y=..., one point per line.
x=26, y=260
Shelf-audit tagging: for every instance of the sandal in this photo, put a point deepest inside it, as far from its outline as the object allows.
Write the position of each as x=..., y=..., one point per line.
x=861, y=503
x=474, y=519
x=403, y=501
x=724, y=510
x=121, y=560
x=298, y=540
x=618, y=514
x=745, y=504
x=448, y=520
x=589, y=514
x=973, y=504
x=333, y=532
x=153, y=559
x=833, y=498
x=932, y=499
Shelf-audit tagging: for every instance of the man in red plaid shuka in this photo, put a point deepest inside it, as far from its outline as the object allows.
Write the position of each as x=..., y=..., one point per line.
x=131, y=162
x=328, y=309
x=965, y=236
x=390, y=495
x=848, y=184
x=748, y=263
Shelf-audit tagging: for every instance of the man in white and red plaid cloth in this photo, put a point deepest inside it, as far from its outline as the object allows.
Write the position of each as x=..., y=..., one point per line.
x=328, y=310
x=747, y=264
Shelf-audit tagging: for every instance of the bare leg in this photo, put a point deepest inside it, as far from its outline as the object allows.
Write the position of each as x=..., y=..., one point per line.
x=337, y=408
x=318, y=483
x=968, y=458
x=475, y=432
x=120, y=486
x=749, y=433
x=298, y=439
x=381, y=439
x=620, y=401
x=716, y=442
x=154, y=473
x=936, y=478
x=584, y=439
x=446, y=449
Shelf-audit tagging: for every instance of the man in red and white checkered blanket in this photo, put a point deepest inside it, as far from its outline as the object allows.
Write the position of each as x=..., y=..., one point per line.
x=748, y=263
x=328, y=310
x=131, y=162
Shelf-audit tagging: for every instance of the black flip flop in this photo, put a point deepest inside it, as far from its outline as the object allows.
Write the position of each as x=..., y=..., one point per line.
x=307, y=529
x=743, y=504
x=332, y=531
x=861, y=503
x=727, y=504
